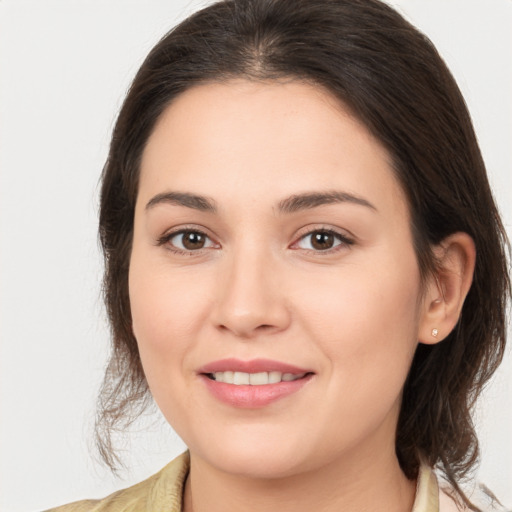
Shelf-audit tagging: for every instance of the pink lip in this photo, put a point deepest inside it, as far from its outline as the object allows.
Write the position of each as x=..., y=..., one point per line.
x=252, y=397
x=253, y=366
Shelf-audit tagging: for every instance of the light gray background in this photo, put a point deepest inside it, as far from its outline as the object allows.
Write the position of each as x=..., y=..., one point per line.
x=64, y=68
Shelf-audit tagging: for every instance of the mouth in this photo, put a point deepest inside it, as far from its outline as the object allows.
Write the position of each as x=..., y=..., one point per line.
x=253, y=384
x=256, y=372
x=255, y=379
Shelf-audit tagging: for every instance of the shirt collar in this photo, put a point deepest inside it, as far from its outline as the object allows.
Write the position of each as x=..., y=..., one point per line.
x=427, y=491
x=168, y=489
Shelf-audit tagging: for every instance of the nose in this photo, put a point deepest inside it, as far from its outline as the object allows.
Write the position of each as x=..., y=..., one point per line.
x=251, y=300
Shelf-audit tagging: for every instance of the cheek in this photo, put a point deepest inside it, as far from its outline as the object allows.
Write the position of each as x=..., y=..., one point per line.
x=164, y=302
x=365, y=326
x=167, y=313
x=365, y=319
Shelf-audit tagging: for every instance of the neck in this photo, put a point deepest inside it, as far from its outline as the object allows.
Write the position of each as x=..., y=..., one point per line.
x=373, y=482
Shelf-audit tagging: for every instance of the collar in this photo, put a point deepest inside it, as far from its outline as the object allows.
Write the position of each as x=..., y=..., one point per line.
x=427, y=491
x=167, y=491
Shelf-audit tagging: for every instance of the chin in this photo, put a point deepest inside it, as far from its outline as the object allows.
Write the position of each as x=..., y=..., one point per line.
x=258, y=456
x=259, y=464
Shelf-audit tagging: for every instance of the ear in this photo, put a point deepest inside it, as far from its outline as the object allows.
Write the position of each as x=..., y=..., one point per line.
x=447, y=288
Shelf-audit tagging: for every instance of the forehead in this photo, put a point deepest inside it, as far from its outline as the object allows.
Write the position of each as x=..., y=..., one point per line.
x=239, y=137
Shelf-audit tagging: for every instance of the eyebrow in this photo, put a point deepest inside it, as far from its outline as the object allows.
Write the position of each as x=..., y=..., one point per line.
x=292, y=204
x=310, y=200
x=201, y=203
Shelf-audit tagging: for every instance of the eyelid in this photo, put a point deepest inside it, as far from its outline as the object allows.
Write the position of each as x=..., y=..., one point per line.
x=171, y=233
x=345, y=238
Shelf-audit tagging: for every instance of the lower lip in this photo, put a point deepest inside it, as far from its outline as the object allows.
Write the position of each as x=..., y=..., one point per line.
x=253, y=397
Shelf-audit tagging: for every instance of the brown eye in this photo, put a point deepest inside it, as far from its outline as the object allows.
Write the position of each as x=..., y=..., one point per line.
x=323, y=240
x=188, y=240
x=192, y=240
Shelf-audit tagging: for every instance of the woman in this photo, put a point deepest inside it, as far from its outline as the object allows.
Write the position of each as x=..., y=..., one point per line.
x=304, y=263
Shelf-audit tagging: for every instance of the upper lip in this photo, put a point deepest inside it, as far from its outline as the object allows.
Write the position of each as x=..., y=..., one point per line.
x=252, y=366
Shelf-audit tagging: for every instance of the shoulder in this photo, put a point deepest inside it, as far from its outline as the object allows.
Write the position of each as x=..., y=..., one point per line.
x=162, y=491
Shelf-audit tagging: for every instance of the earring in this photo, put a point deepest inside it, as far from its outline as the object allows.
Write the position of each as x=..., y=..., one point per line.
x=435, y=332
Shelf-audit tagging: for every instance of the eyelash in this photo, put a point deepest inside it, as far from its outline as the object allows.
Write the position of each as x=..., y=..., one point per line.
x=343, y=239
x=166, y=238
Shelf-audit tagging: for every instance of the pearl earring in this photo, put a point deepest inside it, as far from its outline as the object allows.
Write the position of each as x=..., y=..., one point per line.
x=435, y=332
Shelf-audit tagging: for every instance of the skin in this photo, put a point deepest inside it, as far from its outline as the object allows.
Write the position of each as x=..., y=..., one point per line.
x=258, y=288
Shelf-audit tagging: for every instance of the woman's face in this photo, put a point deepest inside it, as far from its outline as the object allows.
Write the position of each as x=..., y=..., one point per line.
x=272, y=238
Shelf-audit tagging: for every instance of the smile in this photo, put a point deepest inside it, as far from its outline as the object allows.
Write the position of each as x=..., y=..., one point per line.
x=253, y=384
x=254, y=379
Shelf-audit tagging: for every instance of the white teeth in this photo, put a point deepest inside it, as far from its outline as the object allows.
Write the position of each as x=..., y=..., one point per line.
x=226, y=377
x=258, y=378
x=255, y=379
x=274, y=377
x=241, y=378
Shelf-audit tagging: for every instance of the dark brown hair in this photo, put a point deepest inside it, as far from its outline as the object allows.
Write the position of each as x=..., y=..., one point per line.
x=392, y=79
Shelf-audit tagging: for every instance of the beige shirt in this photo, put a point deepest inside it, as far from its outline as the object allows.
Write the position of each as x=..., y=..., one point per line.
x=163, y=492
